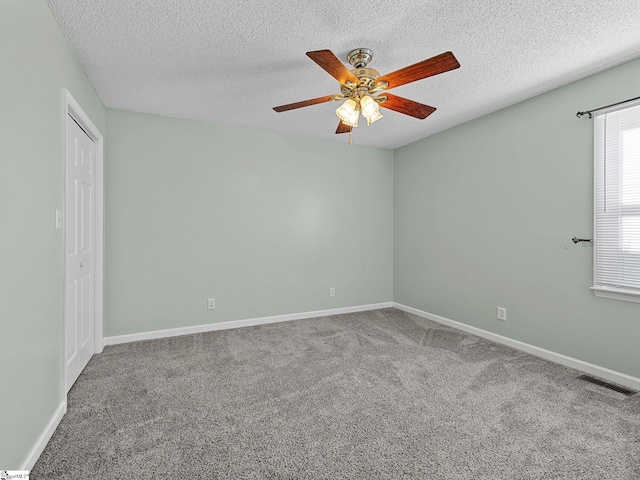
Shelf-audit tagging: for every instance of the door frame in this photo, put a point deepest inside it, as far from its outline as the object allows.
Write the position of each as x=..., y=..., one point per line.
x=73, y=109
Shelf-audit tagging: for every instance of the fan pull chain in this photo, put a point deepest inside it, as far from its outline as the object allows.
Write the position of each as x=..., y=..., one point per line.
x=350, y=138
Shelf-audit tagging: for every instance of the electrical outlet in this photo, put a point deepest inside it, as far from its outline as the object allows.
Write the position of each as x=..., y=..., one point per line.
x=502, y=314
x=211, y=304
x=332, y=292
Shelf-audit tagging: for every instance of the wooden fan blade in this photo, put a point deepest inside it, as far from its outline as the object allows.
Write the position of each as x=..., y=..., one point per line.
x=334, y=67
x=305, y=103
x=426, y=68
x=342, y=128
x=406, y=106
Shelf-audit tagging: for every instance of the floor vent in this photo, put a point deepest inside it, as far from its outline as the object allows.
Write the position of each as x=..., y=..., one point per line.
x=610, y=386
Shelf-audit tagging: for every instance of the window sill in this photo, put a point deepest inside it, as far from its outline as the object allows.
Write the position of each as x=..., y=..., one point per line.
x=617, y=294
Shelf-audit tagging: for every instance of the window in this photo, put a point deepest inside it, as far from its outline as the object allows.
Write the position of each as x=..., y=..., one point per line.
x=617, y=203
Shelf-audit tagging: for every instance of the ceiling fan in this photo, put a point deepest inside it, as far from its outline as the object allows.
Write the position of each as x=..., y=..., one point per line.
x=364, y=89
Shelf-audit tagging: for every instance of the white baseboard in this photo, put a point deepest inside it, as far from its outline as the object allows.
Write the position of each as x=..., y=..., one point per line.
x=175, y=332
x=45, y=436
x=605, y=373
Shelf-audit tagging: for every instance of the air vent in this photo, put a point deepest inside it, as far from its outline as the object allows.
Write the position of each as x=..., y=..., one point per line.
x=610, y=386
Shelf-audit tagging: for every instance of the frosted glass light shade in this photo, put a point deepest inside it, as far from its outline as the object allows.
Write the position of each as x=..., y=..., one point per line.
x=348, y=113
x=370, y=109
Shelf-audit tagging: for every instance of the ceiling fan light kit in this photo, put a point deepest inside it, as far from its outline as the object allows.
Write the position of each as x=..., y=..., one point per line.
x=360, y=87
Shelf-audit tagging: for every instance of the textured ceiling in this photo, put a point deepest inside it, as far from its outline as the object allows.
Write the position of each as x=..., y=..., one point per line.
x=230, y=62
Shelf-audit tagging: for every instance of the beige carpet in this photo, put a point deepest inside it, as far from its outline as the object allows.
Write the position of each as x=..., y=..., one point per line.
x=381, y=394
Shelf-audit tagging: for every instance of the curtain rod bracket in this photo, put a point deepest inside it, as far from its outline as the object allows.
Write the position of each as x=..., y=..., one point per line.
x=576, y=240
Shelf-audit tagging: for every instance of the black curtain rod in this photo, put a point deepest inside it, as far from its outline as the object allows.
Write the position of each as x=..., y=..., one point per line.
x=589, y=112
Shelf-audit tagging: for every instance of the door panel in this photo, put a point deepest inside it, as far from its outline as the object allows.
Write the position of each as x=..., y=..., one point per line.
x=70, y=214
x=86, y=304
x=86, y=210
x=71, y=319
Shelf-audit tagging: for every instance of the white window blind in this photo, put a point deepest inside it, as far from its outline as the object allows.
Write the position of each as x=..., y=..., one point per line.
x=617, y=203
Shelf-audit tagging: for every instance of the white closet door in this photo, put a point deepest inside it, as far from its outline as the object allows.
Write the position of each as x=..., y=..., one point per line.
x=80, y=251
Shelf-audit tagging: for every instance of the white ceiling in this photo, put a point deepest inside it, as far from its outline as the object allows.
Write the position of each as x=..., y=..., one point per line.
x=230, y=62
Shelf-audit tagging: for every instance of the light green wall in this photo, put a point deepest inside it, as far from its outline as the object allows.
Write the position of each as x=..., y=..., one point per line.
x=36, y=63
x=484, y=214
x=265, y=223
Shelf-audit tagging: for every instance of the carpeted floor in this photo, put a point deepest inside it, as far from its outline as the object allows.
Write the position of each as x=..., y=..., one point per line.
x=373, y=395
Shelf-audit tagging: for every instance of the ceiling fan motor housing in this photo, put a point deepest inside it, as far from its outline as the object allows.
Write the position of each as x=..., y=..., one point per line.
x=367, y=78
